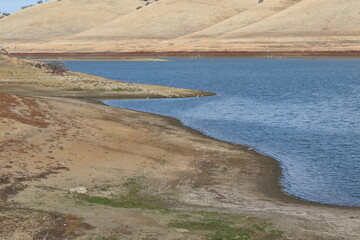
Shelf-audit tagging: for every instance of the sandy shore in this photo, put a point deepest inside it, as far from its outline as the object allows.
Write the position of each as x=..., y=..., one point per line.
x=145, y=176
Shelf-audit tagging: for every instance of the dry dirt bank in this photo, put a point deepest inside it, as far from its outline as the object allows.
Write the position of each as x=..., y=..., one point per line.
x=145, y=176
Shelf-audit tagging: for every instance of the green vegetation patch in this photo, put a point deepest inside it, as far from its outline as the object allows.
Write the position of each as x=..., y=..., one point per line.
x=133, y=198
x=127, y=201
x=135, y=184
x=199, y=224
x=221, y=226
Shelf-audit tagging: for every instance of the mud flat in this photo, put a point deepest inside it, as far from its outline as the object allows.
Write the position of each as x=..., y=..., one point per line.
x=72, y=168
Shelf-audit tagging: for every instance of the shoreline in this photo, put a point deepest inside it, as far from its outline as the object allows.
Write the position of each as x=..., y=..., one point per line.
x=270, y=186
x=54, y=141
x=158, y=56
x=101, y=58
x=273, y=183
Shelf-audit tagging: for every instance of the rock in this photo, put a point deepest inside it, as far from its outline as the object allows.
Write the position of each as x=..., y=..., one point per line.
x=78, y=190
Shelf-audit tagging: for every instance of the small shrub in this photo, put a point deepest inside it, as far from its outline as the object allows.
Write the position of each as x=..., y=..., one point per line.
x=4, y=52
x=58, y=67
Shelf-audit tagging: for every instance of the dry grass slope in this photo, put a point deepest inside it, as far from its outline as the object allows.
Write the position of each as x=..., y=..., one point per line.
x=255, y=14
x=168, y=19
x=308, y=17
x=60, y=19
x=184, y=25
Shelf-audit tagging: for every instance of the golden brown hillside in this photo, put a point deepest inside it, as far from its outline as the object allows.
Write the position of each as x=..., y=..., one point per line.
x=60, y=19
x=185, y=25
x=168, y=19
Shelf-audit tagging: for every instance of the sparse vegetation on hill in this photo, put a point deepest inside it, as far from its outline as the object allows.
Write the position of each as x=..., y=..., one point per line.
x=4, y=14
x=31, y=5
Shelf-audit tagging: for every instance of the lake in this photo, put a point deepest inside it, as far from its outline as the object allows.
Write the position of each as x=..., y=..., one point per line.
x=303, y=112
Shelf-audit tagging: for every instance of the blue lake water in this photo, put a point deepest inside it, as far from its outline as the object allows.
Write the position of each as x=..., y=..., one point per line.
x=303, y=112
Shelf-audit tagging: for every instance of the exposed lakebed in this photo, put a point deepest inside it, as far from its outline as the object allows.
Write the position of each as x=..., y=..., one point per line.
x=303, y=112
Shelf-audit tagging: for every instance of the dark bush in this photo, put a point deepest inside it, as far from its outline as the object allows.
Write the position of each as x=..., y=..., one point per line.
x=3, y=51
x=57, y=67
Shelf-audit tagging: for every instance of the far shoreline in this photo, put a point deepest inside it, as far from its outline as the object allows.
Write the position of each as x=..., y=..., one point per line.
x=159, y=56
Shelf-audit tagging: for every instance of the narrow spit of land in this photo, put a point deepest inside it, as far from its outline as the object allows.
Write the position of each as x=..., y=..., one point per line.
x=74, y=169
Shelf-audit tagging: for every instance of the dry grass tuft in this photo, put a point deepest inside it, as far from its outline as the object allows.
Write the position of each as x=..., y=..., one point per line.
x=20, y=235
